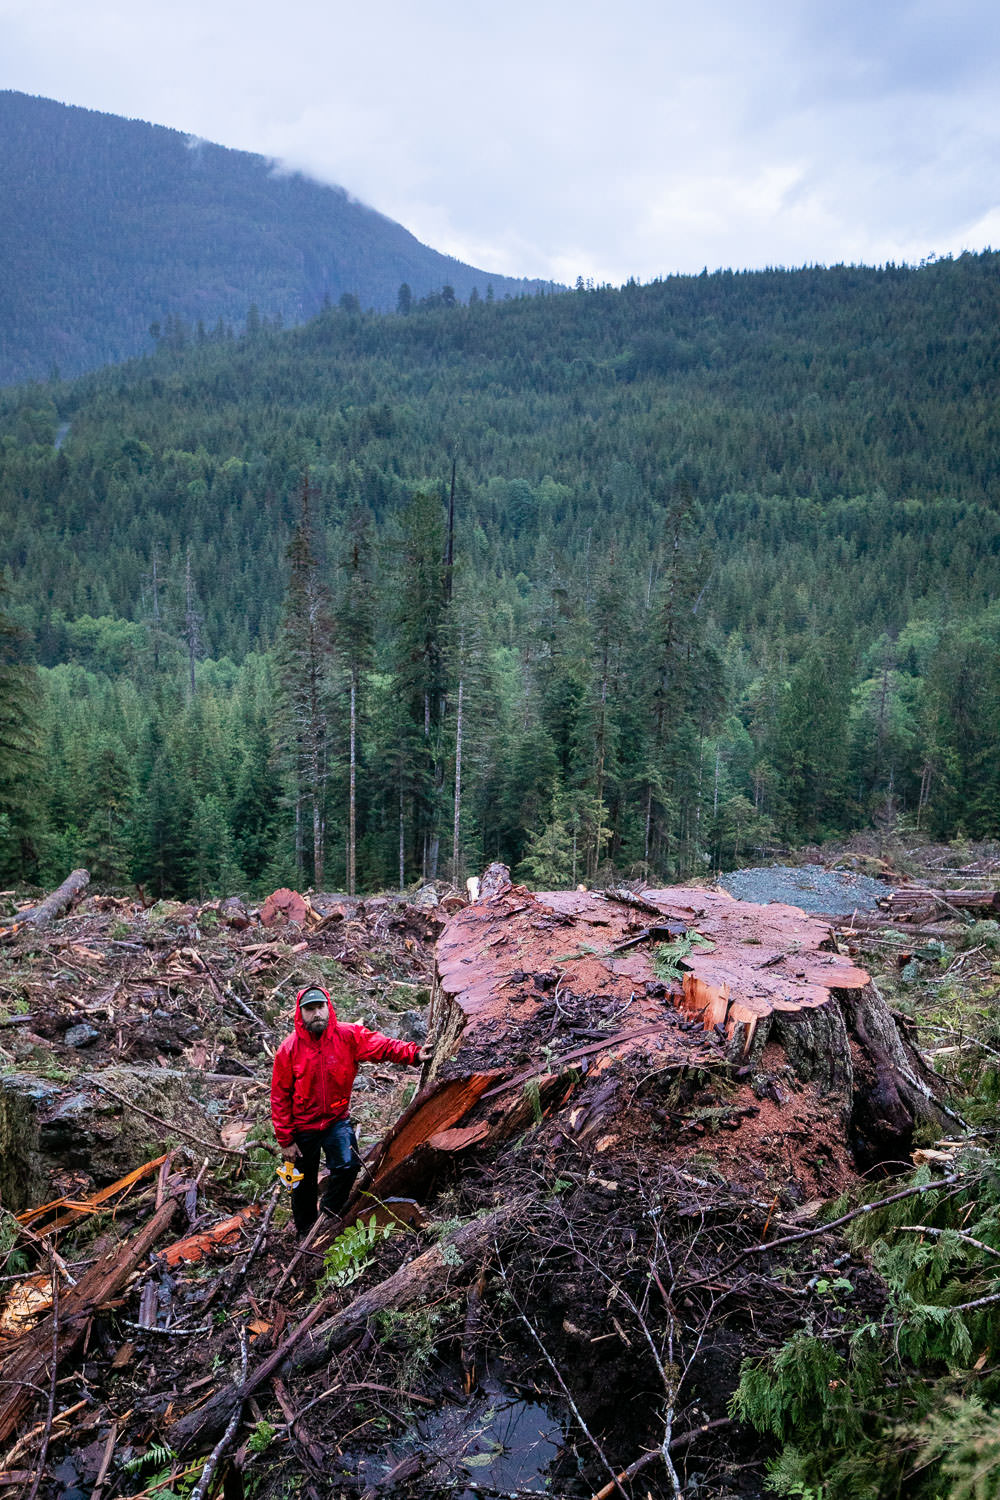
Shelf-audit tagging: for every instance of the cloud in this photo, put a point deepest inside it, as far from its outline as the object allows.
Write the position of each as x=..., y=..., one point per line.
x=560, y=139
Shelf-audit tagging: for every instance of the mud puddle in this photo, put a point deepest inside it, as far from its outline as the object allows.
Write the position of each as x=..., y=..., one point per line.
x=501, y=1443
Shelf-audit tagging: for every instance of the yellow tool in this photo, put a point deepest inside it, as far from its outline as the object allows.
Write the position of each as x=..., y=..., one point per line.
x=289, y=1174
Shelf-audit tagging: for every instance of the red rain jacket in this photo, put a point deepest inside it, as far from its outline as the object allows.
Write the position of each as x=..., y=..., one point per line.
x=312, y=1080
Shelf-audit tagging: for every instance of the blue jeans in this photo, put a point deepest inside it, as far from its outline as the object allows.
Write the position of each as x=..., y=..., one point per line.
x=339, y=1145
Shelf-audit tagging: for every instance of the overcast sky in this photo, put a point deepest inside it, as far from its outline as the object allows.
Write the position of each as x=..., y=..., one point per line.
x=608, y=140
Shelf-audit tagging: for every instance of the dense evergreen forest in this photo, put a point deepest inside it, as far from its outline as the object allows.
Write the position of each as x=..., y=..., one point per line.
x=111, y=227
x=717, y=570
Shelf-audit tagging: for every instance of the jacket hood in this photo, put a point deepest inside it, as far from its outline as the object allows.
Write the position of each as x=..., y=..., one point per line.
x=300, y=1025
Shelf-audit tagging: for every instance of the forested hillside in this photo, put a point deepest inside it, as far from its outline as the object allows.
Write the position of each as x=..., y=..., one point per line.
x=725, y=571
x=111, y=227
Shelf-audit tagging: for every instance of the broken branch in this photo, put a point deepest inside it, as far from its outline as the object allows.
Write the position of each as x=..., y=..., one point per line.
x=201, y=1488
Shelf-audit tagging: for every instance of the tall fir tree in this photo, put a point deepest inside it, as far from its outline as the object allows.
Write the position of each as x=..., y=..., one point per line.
x=356, y=646
x=20, y=763
x=419, y=659
x=304, y=659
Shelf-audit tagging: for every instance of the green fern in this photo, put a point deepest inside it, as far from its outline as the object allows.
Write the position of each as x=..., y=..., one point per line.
x=156, y=1456
x=351, y=1252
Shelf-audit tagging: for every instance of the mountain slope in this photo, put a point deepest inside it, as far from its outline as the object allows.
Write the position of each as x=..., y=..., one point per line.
x=108, y=226
x=837, y=427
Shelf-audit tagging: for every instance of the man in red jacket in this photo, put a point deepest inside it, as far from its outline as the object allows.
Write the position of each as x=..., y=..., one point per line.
x=311, y=1083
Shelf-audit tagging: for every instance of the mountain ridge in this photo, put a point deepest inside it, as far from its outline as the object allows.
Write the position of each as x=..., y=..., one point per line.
x=112, y=225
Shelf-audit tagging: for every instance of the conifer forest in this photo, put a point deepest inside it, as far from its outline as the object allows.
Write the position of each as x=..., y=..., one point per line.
x=636, y=580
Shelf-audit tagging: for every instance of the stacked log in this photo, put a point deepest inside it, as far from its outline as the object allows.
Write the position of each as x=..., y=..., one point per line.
x=914, y=903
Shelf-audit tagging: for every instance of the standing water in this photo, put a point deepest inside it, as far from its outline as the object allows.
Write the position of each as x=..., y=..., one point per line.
x=500, y=1443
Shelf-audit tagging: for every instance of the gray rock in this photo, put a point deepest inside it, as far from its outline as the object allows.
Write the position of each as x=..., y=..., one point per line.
x=413, y=1026
x=72, y=1108
x=830, y=892
x=426, y=897
x=82, y=1035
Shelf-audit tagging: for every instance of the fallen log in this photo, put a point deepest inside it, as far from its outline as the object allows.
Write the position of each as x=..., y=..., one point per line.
x=462, y=1249
x=53, y=906
x=23, y=1370
x=917, y=898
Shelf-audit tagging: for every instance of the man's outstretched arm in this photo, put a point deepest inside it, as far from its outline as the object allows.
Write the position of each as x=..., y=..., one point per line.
x=373, y=1046
x=282, y=1084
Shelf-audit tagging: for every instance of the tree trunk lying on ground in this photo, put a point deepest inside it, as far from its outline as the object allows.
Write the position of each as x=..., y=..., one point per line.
x=903, y=903
x=457, y=1254
x=53, y=906
x=28, y=1364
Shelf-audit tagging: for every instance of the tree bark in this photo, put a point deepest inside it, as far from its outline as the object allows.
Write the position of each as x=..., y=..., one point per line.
x=414, y=1282
x=54, y=905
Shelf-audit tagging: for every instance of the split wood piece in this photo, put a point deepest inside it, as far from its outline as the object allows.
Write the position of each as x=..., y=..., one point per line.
x=400, y=1165
x=196, y=1246
x=53, y=906
x=414, y=1282
x=78, y=1208
x=415, y=1148
x=22, y=1371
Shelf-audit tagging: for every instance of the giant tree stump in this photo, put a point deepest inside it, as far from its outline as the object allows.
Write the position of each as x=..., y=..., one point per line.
x=535, y=991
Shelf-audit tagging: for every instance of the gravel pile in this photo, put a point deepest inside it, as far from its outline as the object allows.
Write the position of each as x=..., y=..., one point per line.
x=834, y=893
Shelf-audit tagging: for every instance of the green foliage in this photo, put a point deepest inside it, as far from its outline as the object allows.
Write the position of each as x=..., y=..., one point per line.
x=673, y=605
x=12, y=1261
x=533, y=1094
x=262, y=1437
x=962, y=1440
x=668, y=957
x=350, y=1253
x=551, y=860
x=858, y=1409
x=155, y=1456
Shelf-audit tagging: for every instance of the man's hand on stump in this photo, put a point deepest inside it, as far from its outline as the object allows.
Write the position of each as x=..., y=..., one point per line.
x=426, y=1053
